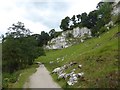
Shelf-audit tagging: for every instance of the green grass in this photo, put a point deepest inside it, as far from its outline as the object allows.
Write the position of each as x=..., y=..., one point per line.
x=99, y=57
x=25, y=74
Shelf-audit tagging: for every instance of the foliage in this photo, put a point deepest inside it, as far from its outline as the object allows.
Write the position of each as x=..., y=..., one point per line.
x=9, y=78
x=65, y=23
x=24, y=76
x=18, y=30
x=93, y=20
x=84, y=19
x=73, y=19
x=43, y=38
x=103, y=16
x=18, y=78
x=19, y=49
x=52, y=33
x=78, y=17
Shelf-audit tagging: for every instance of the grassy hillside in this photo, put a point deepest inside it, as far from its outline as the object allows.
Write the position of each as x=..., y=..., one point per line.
x=98, y=56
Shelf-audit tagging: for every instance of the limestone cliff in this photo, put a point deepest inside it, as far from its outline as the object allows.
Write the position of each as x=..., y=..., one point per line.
x=68, y=38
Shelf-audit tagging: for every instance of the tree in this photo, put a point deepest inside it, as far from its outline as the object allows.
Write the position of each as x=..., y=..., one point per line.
x=105, y=12
x=103, y=15
x=84, y=19
x=100, y=4
x=73, y=19
x=18, y=30
x=92, y=19
x=52, y=33
x=78, y=16
x=19, y=48
x=43, y=38
x=65, y=23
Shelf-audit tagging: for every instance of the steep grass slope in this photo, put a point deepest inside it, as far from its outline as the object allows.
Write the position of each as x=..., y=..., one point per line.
x=98, y=56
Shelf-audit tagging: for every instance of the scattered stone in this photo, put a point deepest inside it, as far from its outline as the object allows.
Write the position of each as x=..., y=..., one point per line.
x=108, y=28
x=56, y=70
x=37, y=62
x=70, y=83
x=66, y=76
x=72, y=77
x=79, y=66
x=61, y=75
x=82, y=40
x=72, y=80
x=80, y=74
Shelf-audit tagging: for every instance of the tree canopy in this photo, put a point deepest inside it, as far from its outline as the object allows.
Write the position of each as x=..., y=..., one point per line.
x=19, y=48
x=94, y=20
x=65, y=23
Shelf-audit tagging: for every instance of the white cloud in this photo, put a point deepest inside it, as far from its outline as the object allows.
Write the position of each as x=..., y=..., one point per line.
x=35, y=27
x=38, y=16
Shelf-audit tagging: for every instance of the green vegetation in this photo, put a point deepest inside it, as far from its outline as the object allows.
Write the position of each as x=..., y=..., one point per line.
x=19, y=50
x=94, y=20
x=25, y=74
x=18, y=78
x=54, y=34
x=65, y=23
x=99, y=57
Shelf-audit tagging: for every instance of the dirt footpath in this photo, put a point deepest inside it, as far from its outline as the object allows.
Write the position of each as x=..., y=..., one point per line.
x=41, y=79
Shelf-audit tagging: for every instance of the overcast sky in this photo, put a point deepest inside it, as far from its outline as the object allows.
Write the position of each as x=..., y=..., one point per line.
x=41, y=15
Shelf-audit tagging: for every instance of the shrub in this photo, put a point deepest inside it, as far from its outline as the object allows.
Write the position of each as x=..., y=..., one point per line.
x=9, y=78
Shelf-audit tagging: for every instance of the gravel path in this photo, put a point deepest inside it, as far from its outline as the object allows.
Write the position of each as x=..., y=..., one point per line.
x=41, y=79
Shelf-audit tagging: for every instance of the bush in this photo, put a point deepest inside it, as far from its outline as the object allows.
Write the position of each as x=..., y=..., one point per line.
x=9, y=78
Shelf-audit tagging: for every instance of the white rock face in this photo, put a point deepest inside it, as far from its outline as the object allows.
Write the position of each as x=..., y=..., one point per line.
x=57, y=43
x=62, y=41
x=109, y=24
x=77, y=32
x=116, y=9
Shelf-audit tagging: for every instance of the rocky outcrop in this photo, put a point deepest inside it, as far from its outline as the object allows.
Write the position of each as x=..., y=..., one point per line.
x=68, y=38
x=116, y=8
x=77, y=32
